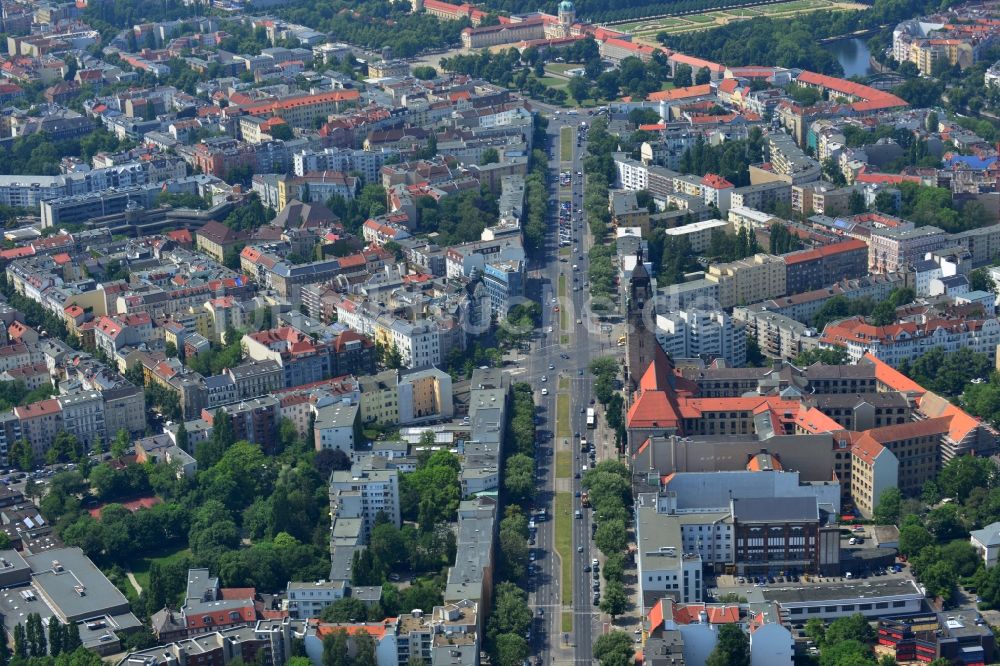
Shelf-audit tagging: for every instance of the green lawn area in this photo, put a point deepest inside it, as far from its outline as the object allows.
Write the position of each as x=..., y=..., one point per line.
x=564, y=320
x=566, y=144
x=651, y=27
x=564, y=546
x=689, y=23
x=567, y=622
x=562, y=416
x=564, y=339
x=564, y=383
x=702, y=18
x=562, y=285
x=564, y=464
x=140, y=565
x=554, y=81
x=562, y=67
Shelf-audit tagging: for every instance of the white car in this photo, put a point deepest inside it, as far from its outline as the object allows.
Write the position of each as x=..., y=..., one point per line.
x=545, y=391
x=545, y=378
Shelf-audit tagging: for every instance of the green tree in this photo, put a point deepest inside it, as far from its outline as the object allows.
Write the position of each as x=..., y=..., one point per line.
x=614, y=649
x=939, y=579
x=511, y=614
x=490, y=156
x=830, y=356
x=55, y=636
x=962, y=474
x=519, y=477
x=980, y=280
x=682, y=76
x=854, y=627
x=884, y=314
x=888, y=507
x=347, y=609
x=579, y=89
x=614, y=568
x=913, y=538
x=182, y=437
x=282, y=132
x=335, y=649
x=37, y=645
x=120, y=444
x=364, y=649
x=845, y=653
x=615, y=600
x=731, y=649
x=511, y=649
x=71, y=638
x=170, y=349
x=20, y=641
x=425, y=72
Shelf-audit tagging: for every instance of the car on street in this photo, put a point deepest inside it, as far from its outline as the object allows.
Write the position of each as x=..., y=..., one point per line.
x=545, y=391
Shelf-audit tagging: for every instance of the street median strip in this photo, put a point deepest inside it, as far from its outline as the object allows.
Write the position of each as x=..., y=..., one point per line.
x=564, y=546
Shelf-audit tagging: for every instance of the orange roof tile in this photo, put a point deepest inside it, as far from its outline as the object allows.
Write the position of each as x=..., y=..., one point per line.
x=689, y=614
x=867, y=449
x=656, y=616
x=892, y=378
x=680, y=93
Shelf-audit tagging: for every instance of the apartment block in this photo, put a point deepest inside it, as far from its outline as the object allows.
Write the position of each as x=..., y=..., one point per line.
x=814, y=269
x=892, y=250
x=748, y=280
x=369, y=488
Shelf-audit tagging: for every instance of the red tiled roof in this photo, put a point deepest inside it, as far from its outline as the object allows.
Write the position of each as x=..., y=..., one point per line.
x=872, y=98
x=689, y=614
x=716, y=182
x=697, y=63
x=729, y=86
x=656, y=616
x=37, y=409
x=867, y=449
x=825, y=251
x=892, y=378
x=680, y=93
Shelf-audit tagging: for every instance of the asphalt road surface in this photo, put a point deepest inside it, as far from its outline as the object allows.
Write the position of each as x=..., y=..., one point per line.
x=562, y=354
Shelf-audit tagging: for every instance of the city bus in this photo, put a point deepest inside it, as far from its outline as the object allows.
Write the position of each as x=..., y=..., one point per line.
x=591, y=418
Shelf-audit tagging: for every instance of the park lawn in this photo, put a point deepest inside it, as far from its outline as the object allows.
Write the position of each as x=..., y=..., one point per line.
x=564, y=545
x=652, y=27
x=566, y=144
x=562, y=67
x=562, y=282
x=713, y=18
x=708, y=17
x=139, y=566
x=564, y=319
x=557, y=82
x=562, y=416
x=567, y=622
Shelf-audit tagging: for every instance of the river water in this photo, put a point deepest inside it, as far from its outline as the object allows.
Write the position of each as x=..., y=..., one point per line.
x=853, y=55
